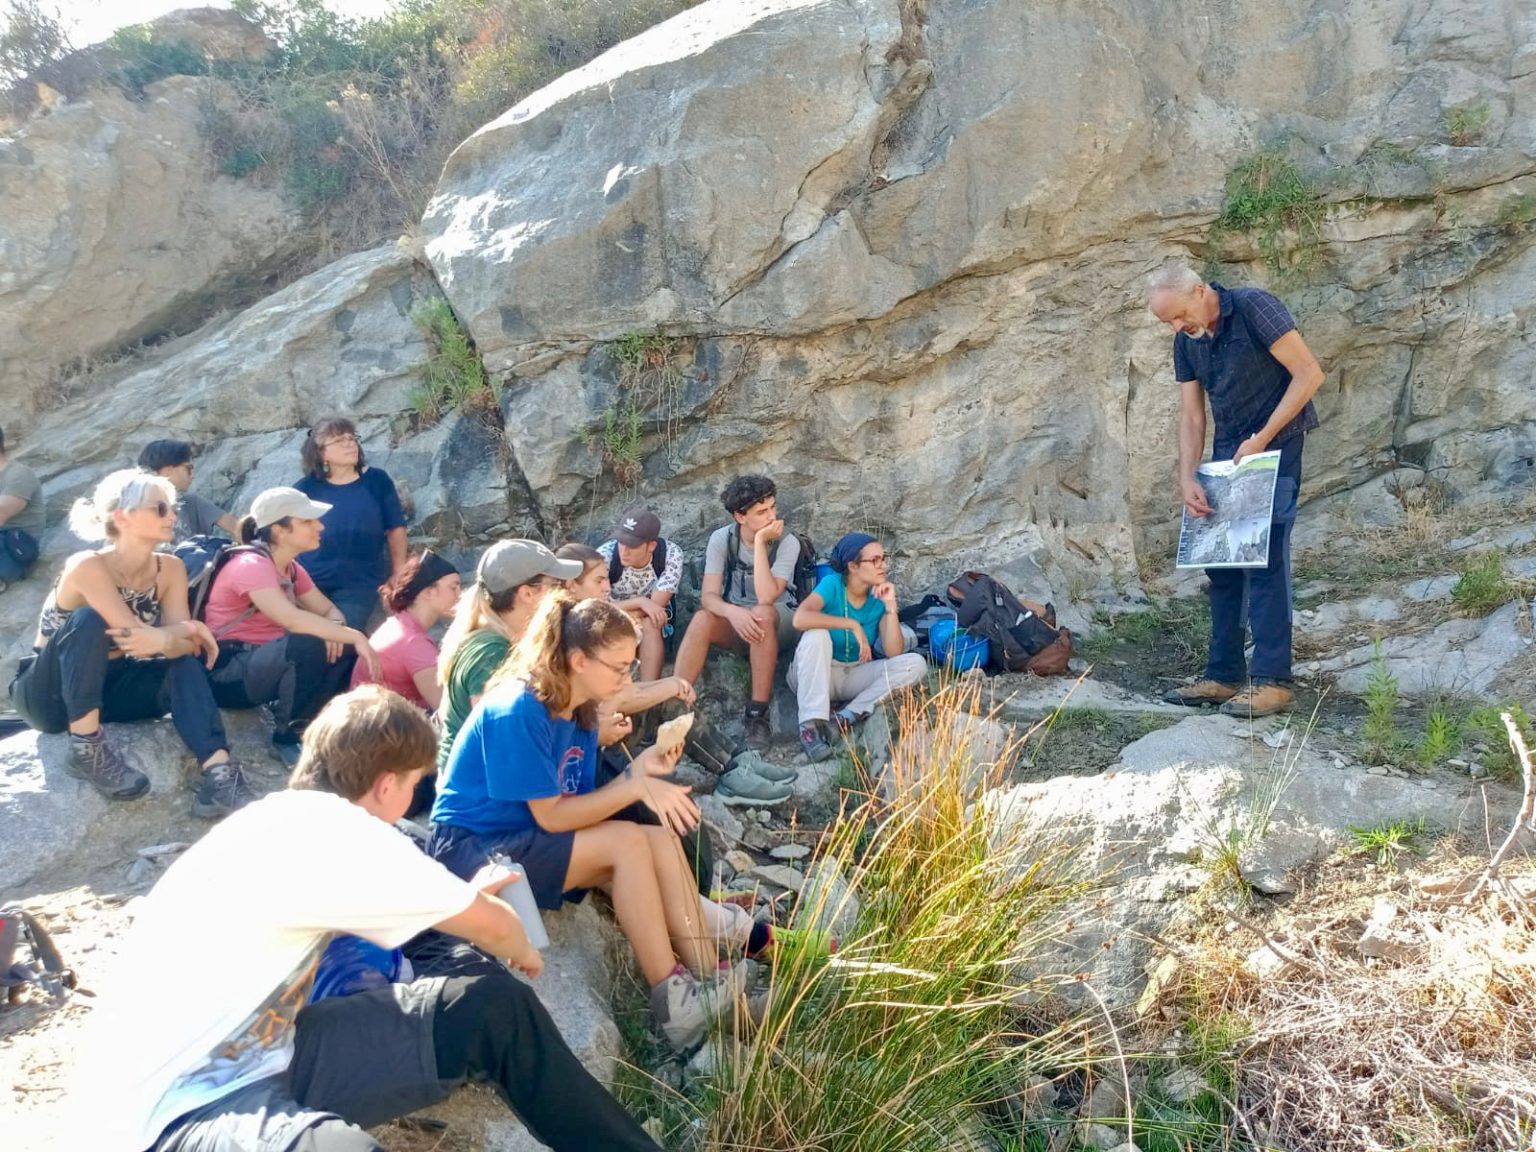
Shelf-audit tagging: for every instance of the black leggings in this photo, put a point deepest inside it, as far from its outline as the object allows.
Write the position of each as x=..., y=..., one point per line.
x=290, y=673
x=74, y=674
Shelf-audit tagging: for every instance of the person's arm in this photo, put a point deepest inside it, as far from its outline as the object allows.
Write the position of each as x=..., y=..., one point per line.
x=316, y=601
x=395, y=538
x=302, y=619
x=1191, y=446
x=489, y=923
x=1306, y=378
x=642, y=780
x=431, y=691
x=809, y=614
x=194, y=638
x=229, y=523
x=892, y=641
x=711, y=596
x=768, y=586
x=634, y=698
x=11, y=506
x=87, y=579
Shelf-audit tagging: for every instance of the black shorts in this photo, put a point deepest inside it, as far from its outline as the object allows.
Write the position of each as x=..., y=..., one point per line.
x=545, y=857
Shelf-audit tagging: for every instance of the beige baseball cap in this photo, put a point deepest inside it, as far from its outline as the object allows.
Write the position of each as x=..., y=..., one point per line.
x=279, y=503
x=510, y=563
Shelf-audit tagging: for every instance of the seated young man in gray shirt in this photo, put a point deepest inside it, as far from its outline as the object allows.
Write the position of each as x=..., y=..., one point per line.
x=746, y=600
x=195, y=515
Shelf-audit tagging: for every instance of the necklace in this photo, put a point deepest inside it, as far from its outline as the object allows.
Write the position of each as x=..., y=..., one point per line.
x=150, y=571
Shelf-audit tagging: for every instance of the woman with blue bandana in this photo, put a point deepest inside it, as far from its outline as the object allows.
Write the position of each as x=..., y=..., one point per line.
x=852, y=648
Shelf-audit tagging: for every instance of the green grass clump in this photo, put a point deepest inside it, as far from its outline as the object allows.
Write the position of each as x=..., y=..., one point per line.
x=620, y=442
x=912, y=1029
x=1466, y=123
x=1388, y=839
x=1069, y=719
x=452, y=379
x=1381, y=698
x=1442, y=739
x=1482, y=586
x=1268, y=198
x=1178, y=629
x=1517, y=211
x=1486, y=724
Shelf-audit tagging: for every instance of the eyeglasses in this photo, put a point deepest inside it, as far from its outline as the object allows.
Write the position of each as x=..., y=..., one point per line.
x=160, y=508
x=878, y=561
x=629, y=671
x=342, y=438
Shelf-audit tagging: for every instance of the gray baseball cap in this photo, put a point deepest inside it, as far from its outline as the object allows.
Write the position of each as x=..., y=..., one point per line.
x=279, y=503
x=510, y=563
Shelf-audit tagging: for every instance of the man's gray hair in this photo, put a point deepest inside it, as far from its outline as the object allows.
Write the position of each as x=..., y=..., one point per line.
x=1173, y=277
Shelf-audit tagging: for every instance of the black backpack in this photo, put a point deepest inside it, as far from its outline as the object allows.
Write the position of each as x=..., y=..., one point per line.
x=203, y=556
x=658, y=561
x=198, y=594
x=801, y=584
x=1018, y=633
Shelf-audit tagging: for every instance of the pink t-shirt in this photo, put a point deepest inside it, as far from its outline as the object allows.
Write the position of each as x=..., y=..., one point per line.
x=404, y=649
x=231, y=596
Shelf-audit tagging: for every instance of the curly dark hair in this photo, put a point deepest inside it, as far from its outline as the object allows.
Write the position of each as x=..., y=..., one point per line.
x=311, y=455
x=745, y=491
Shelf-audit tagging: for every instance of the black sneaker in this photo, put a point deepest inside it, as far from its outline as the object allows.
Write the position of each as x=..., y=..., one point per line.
x=813, y=744
x=755, y=731
x=222, y=790
x=288, y=751
x=95, y=761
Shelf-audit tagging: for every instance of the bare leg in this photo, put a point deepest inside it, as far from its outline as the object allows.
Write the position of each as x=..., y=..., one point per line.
x=680, y=898
x=765, y=653
x=652, y=650
x=616, y=857
x=704, y=630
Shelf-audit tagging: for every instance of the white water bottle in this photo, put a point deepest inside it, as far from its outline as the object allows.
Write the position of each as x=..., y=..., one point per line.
x=519, y=894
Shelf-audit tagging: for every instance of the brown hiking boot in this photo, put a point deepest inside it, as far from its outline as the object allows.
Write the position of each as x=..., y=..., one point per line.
x=1201, y=693
x=95, y=761
x=1260, y=700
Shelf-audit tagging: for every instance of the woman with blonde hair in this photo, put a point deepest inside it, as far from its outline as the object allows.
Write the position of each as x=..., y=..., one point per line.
x=117, y=642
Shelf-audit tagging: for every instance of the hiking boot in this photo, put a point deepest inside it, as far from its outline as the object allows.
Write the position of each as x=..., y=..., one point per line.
x=1201, y=693
x=1260, y=699
x=813, y=745
x=683, y=1010
x=767, y=769
x=95, y=761
x=845, y=722
x=755, y=731
x=742, y=787
x=223, y=789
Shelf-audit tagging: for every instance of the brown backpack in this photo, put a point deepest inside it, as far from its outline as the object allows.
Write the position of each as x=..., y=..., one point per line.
x=1022, y=635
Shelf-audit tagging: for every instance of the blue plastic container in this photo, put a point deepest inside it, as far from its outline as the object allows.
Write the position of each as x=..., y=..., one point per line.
x=953, y=645
x=823, y=570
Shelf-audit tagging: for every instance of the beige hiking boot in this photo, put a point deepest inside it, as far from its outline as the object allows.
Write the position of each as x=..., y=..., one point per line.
x=1201, y=693
x=1260, y=700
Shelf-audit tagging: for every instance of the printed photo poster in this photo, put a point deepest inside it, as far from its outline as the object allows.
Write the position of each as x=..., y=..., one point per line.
x=1242, y=500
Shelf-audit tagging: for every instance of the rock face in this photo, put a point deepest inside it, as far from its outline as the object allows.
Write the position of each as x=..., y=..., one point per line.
x=116, y=228
x=1155, y=823
x=902, y=248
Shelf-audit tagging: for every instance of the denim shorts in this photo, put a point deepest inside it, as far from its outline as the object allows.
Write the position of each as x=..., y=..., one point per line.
x=545, y=857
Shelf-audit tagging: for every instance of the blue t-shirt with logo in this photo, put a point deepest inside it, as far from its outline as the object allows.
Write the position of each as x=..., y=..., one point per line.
x=512, y=750
x=834, y=595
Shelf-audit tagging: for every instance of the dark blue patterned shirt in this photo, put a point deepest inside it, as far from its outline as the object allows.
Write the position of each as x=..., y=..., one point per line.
x=1237, y=370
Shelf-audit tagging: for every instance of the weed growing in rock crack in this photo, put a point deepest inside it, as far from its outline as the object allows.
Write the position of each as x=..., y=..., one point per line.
x=452, y=378
x=1388, y=839
x=620, y=443
x=1466, y=123
x=1381, y=741
x=1268, y=198
x=1069, y=719
x=1517, y=212
x=649, y=375
x=1483, y=587
x=1442, y=739
x=1180, y=625
x=912, y=1029
x=1486, y=725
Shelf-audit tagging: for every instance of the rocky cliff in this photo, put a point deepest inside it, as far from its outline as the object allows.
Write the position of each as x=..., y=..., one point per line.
x=891, y=254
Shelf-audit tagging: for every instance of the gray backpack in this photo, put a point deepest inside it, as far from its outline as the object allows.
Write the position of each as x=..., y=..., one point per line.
x=28, y=956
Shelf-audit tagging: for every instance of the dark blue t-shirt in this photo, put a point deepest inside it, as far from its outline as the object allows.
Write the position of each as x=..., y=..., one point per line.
x=510, y=751
x=353, y=553
x=1241, y=376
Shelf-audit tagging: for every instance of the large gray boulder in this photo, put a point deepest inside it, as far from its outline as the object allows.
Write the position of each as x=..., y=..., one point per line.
x=116, y=228
x=901, y=247
x=1151, y=830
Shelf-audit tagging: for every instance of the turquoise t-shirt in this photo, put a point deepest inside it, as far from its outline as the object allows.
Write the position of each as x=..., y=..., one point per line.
x=834, y=595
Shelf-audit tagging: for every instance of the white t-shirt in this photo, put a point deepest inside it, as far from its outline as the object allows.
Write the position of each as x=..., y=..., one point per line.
x=739, y=586
x=634, y=583
x=223, y=951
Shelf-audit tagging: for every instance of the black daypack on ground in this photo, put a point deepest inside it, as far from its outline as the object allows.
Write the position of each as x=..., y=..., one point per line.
x=1023, y=636
x=801, y=584
x=203, y=557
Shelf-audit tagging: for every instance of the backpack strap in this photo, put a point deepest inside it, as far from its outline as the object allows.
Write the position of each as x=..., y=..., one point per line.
x=658, y=557
x=615, y=565
x=286, y=585
x=733, y=557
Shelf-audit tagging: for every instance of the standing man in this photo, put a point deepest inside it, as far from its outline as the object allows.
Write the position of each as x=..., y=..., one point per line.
x=22, y=517
x=1240, y=348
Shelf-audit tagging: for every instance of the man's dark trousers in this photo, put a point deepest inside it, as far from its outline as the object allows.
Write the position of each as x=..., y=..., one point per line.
x=1258, y=597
